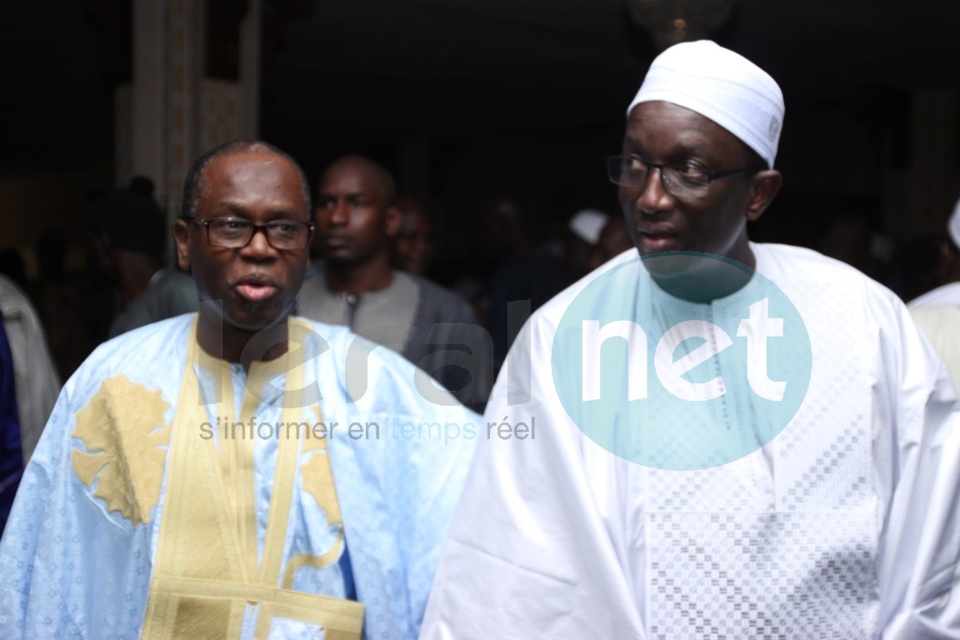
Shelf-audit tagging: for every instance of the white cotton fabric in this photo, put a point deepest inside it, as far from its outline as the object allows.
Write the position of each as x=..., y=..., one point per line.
x=941, y=325
x=721, y=85
x=843, y=526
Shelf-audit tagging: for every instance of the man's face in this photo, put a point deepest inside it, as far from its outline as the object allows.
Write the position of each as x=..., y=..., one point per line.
x=664, y=133
x=257, y=284
x=352, y=215
x=413, y=245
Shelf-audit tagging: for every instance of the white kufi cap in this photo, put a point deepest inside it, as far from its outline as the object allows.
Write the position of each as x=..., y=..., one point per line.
x=953, y=225
x=587, y=224
x=722, y=86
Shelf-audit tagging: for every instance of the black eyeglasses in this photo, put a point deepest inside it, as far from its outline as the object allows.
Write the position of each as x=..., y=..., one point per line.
x=236, y=233
x=680, y=180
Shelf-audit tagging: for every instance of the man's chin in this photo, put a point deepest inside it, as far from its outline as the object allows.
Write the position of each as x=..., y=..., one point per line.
x=696, y=276
x=672, y=264
x=254, y=317
x=251, y=326
x=339, y=256
x=258, y=321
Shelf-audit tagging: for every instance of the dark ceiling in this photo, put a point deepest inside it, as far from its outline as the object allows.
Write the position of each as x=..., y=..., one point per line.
x=449, y=67
x=440, y=68
x=521, y=96
x=468, y=99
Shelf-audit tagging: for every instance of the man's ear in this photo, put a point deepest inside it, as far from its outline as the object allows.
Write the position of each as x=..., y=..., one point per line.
x=763, y=189
x=181, y=233
x=947, y=260
x=393, y=219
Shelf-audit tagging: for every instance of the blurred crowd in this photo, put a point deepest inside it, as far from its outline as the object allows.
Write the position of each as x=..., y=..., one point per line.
x=128, y=279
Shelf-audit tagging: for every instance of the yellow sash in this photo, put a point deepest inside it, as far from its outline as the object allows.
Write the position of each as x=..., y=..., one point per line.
x=208, y=573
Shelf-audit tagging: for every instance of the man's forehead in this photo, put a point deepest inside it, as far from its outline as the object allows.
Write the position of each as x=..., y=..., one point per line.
x=224, y=167
x=349, y=179
x=253, y=173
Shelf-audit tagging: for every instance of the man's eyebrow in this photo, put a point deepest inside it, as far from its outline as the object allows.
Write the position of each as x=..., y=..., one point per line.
x=238, y=211
x=233, y=209
x=344, y=196
x=681, y=150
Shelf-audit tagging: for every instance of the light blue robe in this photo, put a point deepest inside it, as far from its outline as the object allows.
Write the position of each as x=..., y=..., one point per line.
x=69, y=567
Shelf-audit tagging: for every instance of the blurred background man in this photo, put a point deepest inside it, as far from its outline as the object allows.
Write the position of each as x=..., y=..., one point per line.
x=412, y=247
x=130, y=236
x=356, y=218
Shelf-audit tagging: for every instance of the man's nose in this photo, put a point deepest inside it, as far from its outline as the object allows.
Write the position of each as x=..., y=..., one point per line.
x=259, y=244
x=653, y=195
x=339, y=214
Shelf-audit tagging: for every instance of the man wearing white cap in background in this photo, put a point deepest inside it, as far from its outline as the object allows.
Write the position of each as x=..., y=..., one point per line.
x=937, y=312
x=587, y=224
x=581, y=241
x=764, y=447
x=949, y=264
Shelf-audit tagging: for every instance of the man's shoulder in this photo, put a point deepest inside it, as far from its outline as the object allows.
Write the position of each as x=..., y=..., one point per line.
x=333, y=335
x=828, y=292
x=790, y=268
x=174, y=286
x=947, y=294
x=345, y=347
x=785, y=255
x=8, y=289
x=172, y=294
x=386, y=381
x=145, y=344
x=151, y=357
x=789, y=265
x=315, y=286
x=433, y=290
x=14, y=301
x=444, y=300
x=314, y=297
x=938, y=318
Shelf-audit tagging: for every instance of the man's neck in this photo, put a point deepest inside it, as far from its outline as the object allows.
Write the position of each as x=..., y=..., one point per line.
x=703, y=279
x=704, y=288
x=223, y=341
x=359, y=278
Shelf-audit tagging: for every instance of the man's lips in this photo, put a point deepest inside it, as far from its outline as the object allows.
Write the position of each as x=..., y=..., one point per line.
x=335, y=242
x=255, y=289
x=658, y=240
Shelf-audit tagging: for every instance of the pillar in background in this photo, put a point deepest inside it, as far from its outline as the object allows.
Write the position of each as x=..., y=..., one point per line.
x=921, y=192
x=195, y=84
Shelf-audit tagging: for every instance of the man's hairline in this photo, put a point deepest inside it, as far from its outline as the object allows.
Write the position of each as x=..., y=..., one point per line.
x=387, y=187
x=237, y=147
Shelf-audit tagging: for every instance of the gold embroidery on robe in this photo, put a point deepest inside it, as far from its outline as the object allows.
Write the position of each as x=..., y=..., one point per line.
x=122, y=428
x=209, y=577
x=316, y=481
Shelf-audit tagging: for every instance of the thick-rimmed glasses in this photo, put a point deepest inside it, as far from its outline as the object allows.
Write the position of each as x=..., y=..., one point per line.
x=236, y=233
x=680, y=180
